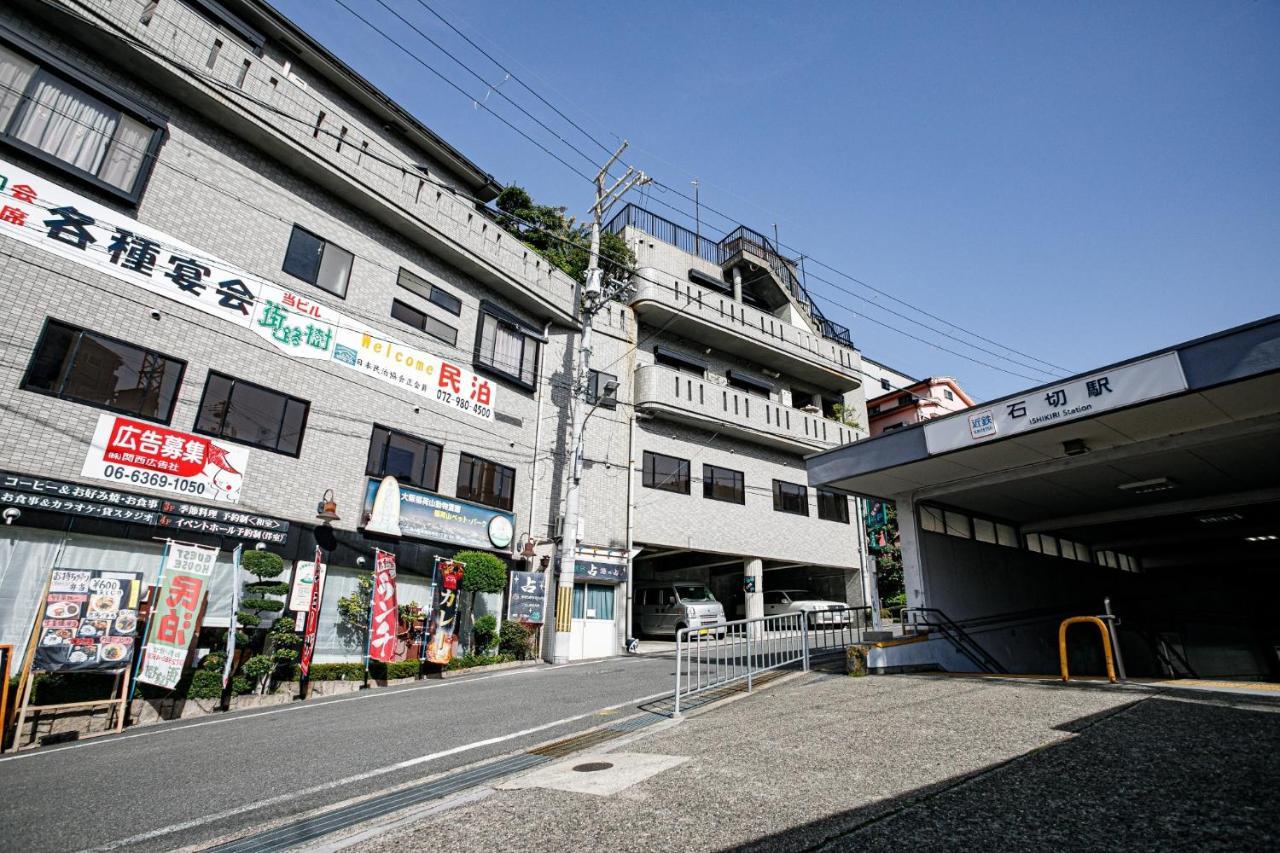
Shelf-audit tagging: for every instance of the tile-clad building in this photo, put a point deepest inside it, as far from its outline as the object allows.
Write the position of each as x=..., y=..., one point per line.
x=240, y=281
x=282, y=264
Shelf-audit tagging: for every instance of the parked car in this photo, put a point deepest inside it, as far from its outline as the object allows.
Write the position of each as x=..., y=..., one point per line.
x=665, y=608
x=818, y=612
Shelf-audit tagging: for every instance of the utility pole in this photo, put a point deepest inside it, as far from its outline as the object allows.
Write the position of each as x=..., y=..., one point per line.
x=592, y=298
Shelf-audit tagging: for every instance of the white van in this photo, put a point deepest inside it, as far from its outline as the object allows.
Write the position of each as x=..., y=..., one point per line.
x=665, y=608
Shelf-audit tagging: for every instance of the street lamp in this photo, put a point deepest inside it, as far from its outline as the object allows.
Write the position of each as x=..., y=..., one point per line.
x=327, y=508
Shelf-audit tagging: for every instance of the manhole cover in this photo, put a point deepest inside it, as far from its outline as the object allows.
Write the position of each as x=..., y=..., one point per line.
x=593, y=766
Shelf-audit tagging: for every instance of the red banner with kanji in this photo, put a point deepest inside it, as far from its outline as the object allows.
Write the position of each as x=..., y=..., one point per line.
x=313, y=619
x=384, y=617
x=175, y=613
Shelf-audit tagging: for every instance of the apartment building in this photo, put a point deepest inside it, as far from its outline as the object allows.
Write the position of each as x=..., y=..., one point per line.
x=915, y=401
x=727, y=376
x=242, y=284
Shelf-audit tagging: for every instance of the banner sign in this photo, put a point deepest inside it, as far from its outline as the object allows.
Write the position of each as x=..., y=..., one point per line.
x=89, y=621
x=178, y=602
x=313, y=618
x=235, y=608
x=304, y=580
x=600, y=572
x=405, y=511
x=1052, y=405
x=444, y=627
x=527, y=596
x=68, y=498
x=384, y=618
x=51, y=217
x=129, y=451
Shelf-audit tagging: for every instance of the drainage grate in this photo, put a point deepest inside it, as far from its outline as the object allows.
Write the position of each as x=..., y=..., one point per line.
x=291, y=835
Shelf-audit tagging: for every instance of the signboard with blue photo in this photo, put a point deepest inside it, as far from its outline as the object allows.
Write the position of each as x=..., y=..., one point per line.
x=391, y=509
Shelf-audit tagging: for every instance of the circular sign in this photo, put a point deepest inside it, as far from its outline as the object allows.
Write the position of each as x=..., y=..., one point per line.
x=500, y=531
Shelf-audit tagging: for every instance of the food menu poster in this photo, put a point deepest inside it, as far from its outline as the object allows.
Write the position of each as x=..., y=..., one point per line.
x=88, y=621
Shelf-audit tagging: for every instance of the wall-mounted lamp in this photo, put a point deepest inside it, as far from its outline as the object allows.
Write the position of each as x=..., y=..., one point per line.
x=327, y=509
x=12, y=514
x=261, y=546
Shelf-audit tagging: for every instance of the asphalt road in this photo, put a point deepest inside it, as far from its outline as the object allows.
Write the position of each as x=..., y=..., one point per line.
x=185, y=783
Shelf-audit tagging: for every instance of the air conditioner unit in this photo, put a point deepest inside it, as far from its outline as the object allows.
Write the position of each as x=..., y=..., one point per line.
x=582, y=528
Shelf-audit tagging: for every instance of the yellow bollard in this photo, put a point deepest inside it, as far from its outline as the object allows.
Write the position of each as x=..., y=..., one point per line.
x=1106, y=644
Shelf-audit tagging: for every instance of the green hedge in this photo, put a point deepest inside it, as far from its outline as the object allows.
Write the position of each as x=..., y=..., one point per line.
x=378, y=671
x=467, y=661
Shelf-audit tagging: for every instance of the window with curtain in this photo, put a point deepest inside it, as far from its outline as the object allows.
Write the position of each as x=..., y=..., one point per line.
x=592, y=601
x=51, y=114
x=505, y=347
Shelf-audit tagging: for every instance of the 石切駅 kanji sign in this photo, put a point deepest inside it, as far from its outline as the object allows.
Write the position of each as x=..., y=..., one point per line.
x=174, y=616
x=127, y=451
x=58, y=220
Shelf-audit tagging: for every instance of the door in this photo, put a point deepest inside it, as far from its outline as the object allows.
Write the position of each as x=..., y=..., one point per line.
x=594, y=634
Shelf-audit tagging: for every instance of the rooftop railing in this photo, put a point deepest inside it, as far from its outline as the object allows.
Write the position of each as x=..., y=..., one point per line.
x=740, y=240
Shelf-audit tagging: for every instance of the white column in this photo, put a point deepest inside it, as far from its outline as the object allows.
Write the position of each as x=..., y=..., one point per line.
x=913, y=576
x=753, y=569
x=737, y=284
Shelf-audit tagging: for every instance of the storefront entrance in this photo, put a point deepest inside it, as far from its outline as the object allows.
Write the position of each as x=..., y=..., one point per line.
x=594, y=633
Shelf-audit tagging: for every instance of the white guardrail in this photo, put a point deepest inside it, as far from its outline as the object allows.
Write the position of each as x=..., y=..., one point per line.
x=716, y=656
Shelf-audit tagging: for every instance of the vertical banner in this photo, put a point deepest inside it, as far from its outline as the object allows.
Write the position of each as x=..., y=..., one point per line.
x=173, y=618
x=313, y=618
x=233, y=625
x=384, y=618
x=444, y=638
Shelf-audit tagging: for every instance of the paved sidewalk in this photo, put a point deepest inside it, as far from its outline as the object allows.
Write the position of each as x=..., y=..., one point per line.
x=893, y=763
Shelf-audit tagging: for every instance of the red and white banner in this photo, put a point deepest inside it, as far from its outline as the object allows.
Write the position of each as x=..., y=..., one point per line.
x=384, y=618
x=313, y=618
x=175, y=617
x=125, y=450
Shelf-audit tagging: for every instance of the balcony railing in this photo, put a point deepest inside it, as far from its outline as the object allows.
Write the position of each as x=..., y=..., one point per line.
x=741, y=239
x=690, y=399
x=363, y=153
x=746, y=330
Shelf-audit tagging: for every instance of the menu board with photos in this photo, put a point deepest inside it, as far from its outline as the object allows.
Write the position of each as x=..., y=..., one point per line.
x=89, y=621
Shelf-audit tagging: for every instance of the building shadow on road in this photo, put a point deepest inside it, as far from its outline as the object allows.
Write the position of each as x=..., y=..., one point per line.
x=1155, y=774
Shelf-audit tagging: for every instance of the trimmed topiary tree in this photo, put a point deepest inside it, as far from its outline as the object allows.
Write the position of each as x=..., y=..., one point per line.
x=483, y=573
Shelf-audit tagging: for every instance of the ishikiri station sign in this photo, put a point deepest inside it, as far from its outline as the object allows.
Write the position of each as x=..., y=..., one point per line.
x=51, y=217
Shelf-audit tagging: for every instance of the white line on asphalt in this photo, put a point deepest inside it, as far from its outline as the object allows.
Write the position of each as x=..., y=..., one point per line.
x=360, y=777
x=300, y=706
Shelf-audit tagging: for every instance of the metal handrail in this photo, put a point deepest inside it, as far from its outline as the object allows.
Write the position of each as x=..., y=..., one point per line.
x=715, y=656
x=958, y=636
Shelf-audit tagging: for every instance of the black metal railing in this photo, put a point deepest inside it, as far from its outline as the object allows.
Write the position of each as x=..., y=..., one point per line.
x=741, y=239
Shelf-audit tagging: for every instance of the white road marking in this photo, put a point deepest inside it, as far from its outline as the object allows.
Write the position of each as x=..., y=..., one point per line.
x=360, y=777
x=299, y=706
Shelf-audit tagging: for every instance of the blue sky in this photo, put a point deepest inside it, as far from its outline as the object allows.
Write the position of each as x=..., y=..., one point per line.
x=1081, y=182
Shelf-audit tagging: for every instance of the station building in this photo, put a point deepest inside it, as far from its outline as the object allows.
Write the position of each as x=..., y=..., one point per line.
x=1150, y=486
